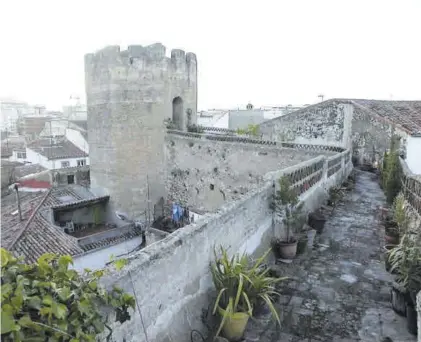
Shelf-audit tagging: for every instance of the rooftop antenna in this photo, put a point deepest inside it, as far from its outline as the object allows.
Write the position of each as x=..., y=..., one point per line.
x=321, y=96
x=149, y=202
x=18, y=200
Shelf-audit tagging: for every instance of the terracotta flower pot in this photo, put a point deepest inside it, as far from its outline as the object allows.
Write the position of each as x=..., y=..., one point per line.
x=316, y=221
x=302, y=244
x=397, y=297
x=411, y=319
x=391, y=239
x=287, y=250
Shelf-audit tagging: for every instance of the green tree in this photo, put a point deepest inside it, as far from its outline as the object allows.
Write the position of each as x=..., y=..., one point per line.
x=250, y=130
x=47, y=301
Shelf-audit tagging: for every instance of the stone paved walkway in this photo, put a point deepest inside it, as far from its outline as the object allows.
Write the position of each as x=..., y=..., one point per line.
x=340, y=291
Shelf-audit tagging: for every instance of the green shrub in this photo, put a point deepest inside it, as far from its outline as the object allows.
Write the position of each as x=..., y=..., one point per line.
x=393, y=177
x=47, y=301
x=252, y=130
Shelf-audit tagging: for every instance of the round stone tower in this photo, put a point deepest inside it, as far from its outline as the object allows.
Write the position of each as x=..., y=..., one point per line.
x=130, y=94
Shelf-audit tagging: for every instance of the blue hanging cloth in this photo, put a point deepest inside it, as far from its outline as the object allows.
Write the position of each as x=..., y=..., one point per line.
x=175, y=212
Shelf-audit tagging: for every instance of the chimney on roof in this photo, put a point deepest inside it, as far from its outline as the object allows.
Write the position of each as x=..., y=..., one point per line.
x=18, y=200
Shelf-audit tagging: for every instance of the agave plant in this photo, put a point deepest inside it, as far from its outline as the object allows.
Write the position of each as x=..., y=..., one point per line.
x=241, y=284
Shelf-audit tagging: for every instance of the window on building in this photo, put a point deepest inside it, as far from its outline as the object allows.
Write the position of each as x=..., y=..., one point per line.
x=70, y=179
x=65, y=164
x=21, y=155
x=81, y=162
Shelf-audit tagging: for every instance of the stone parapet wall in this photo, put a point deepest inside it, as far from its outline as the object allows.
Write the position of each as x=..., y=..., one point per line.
x=205, y=173
x=371, y=135
x=171, y=278
x=245, y=139
x=411, y=187
x=326, y=123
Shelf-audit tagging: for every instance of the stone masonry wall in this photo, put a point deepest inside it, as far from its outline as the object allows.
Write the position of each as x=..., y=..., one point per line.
x=129, y=95
x=204, y=174
x=371, y=135
x=326, y=123
x=171, y=277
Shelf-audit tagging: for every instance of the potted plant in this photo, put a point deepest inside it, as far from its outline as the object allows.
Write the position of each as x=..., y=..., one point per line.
x=398, y=292
x=396, y=222
x=285, y=206
x=391, y=233
x=335, y=196
x=317, y=220
x=387, y=249
x=240, y=285
x=406, y=261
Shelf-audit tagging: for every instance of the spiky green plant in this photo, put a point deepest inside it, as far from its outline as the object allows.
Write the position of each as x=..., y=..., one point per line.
x=399, y=213
x=405, y=260
x=241, y=284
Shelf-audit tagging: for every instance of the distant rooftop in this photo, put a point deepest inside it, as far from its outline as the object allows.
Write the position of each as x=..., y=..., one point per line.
x=406, y=114
x=59, y=149
x=36, y=234
x=28, y=169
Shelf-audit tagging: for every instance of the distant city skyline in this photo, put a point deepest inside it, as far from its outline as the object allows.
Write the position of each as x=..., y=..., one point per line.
x=269, y=53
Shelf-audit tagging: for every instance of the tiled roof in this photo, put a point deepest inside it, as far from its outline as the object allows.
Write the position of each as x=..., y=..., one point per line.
x=36, y=235
x=112, y=240
x=81, y=203
x=10, y=223
x=7, y=148
x=57, y=150
x=28, y=169
x=33, y=125
x=406, y=114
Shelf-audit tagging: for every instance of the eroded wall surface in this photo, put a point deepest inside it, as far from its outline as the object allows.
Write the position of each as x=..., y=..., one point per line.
x=129, y=95
x=205, y=174
x=371, y=135
x=327, y=123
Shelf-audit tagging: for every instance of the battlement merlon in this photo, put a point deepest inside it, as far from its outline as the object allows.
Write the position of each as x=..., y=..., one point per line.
x=113, y=55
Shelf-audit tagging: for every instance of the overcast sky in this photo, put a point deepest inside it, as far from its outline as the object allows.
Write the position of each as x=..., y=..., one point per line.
x=266, y=52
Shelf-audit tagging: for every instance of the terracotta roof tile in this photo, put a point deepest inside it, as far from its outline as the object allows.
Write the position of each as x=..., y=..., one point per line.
x=57, y=150
x=28, y=169
x=406, y=114
x=36, y=235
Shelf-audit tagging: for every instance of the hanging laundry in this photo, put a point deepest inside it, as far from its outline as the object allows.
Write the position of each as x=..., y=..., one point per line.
x=175, y=215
